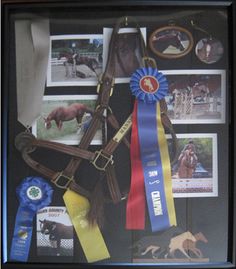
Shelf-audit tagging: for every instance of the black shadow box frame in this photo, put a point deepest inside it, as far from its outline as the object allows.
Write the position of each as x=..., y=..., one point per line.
x=215, y=216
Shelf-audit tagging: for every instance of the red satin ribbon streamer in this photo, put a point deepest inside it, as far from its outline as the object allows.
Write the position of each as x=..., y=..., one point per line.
x=135, y=210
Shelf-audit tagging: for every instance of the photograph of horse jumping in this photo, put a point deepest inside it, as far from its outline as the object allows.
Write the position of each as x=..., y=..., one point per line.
x=196, y=97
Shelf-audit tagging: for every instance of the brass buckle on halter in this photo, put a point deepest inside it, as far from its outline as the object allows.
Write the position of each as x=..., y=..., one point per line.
x=100, y=83
x=65, y=181
x=108, y=160
x=150, y=62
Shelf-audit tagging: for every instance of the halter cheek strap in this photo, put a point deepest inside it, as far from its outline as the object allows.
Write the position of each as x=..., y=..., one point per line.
x=103, y=159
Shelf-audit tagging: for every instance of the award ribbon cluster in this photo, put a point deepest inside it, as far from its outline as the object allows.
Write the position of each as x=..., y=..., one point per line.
x=150, y=163
x=33, y=193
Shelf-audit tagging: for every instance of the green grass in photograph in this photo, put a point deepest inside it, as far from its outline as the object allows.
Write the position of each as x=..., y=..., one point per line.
x=203, y=149
x=68, y=127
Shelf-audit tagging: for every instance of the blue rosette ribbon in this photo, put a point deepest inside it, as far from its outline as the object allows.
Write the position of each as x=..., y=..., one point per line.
x=149, y=154
x=148, y=85
x=33, y=194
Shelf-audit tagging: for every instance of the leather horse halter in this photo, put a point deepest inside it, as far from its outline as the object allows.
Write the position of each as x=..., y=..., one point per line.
x=102, y=160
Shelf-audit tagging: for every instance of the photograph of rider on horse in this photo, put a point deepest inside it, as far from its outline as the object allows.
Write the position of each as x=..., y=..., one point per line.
x=196, y=97
x=187, y=160
x=195, y=170
x=75, y=59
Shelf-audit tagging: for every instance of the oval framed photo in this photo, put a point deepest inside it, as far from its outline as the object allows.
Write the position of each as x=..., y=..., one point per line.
x=171, y=42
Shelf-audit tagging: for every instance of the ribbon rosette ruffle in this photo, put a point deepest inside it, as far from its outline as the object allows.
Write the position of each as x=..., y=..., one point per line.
x=148, y=85
x=33, y=193
x=150, y=163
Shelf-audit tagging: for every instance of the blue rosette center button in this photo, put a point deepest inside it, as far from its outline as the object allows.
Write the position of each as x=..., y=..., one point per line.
x=149, y=84
x=34, y=193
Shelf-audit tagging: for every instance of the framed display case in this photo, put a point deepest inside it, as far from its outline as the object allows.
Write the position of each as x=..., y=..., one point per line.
x=118, y=129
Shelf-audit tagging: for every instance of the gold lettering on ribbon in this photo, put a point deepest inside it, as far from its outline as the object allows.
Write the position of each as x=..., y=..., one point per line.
x=123, y=130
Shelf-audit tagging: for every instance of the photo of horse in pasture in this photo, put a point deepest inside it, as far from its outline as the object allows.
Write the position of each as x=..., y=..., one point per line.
x=65, y=119
x=75, y=60
x=196, y=97
x=194, y=173
x=54, y=232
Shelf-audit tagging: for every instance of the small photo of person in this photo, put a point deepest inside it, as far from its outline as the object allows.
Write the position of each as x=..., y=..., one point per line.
x=194, y=173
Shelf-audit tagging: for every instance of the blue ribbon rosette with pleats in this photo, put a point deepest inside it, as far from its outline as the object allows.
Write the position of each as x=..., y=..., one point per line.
x=148, y=85
x=33, y=194
x=149, y=155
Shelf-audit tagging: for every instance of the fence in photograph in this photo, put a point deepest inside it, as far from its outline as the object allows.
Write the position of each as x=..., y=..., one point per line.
x=55, y=56
x=55, y=61
x=49, y=247
x=185, y=106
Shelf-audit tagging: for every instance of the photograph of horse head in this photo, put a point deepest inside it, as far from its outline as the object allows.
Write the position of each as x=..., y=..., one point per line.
x=65, y=118
x=194, y=173
x=54, y=232
x=209, y=50
x=75, y=60
x=196, y=96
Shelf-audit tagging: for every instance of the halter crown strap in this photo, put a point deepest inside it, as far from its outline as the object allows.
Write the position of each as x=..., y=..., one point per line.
x=102, y=159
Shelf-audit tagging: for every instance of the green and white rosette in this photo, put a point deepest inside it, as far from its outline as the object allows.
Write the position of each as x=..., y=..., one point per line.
x=33, y=193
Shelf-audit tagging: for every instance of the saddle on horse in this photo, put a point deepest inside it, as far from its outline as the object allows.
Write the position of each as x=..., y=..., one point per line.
x=102, y=159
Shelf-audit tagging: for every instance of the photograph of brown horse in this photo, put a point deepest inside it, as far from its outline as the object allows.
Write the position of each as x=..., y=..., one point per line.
x=187, y=164
x=61, y=114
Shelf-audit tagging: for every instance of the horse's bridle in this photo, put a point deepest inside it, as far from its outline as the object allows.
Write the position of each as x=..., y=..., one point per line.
x=102, y=160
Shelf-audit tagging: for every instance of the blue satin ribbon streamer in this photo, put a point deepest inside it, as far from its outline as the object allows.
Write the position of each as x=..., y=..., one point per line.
x=152, y=166
x=33, y=193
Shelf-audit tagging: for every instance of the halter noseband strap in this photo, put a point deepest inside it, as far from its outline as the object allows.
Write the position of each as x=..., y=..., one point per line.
x=103, y=159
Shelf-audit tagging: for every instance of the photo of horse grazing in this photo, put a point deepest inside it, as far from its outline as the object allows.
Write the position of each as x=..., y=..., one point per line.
x=61, y=114
x=56, y=232
x=187, y=164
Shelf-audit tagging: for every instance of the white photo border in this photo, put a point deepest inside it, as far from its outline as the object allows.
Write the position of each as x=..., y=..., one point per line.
x=65, y=98
x=214, y=177
x=220, y=72
x=83, y=82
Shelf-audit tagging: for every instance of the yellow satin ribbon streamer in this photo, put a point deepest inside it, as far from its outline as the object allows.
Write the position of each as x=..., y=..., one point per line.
x=165, y=159
x=89, y=236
